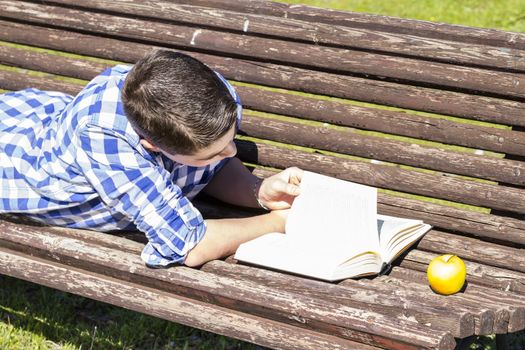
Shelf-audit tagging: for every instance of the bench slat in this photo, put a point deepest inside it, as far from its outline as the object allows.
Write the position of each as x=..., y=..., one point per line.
x=484, y=317
x=163, y=305
x=295, y=54
x=391, y=122
x=43, y=62
x=383, y=176
x=475, y=250
x=399, y=123
x=482, y=36
x=12, y=81
x=513, y=322
x=480, y=274
x=324, y=291
x=509, y=320
x=477, y=291
x=486, y=226
x=501, y=313
x=318, y=33
x=424, y=308
x=353, y=143
x=364, y=326
x=387, y=93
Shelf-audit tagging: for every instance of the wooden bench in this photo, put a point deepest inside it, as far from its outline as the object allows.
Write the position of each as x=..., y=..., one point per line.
x=439, y=128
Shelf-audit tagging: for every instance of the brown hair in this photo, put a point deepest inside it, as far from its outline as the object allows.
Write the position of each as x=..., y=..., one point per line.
x=177, y=103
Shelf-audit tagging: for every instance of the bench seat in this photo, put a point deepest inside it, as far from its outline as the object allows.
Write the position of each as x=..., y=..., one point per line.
x=431, y=114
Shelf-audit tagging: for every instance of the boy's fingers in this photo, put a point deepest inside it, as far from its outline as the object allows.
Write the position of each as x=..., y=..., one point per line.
x=293, y=190
x=286, y=188
x=295, y=175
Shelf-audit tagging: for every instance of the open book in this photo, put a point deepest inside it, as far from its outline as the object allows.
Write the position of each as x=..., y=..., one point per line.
x=333, y=232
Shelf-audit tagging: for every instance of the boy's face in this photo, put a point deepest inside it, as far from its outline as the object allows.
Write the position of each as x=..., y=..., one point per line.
x=220, y=149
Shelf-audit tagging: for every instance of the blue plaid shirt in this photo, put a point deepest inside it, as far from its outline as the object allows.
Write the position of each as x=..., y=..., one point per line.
x=77, y=162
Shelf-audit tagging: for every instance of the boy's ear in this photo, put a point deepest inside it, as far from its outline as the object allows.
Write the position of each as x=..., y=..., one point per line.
x=149, y=146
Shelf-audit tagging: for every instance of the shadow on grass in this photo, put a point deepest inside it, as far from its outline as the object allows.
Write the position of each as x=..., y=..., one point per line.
x=79, y=323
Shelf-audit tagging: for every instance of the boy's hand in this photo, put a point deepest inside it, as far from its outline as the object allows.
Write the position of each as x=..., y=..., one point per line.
x=279, y=191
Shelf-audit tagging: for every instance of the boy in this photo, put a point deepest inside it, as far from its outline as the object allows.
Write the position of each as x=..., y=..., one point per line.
x=130, y=151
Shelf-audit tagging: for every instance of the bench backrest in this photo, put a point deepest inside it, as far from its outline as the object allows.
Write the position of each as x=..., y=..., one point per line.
x=452, y=130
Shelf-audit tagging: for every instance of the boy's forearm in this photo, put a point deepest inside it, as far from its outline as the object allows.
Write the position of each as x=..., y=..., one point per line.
x=234, y=184
x=223, y=236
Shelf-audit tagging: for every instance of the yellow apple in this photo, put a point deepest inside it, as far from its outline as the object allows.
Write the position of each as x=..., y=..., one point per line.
x=446, y=274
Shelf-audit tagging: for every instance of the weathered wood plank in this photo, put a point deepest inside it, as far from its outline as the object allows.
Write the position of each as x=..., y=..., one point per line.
x=399, y=123
x=345, y=321
x=509, y=307
x=382, y=176
x=487, y=226
x=482, y=36
x=52, y=64
x=391, y=94
x=304, y=31
x=501, y=313
x=378, y=148
x=10, y=80
x=424, y=308
x=483, y=317
x=501, y=84
x=481, y=274
x=164, y=305
x=472, y=249
x=512, y=321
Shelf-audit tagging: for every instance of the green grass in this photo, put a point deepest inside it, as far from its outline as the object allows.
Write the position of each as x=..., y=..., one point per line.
x=36, y=317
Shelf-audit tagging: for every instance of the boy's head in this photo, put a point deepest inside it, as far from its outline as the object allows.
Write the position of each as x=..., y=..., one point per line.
x=180, y=107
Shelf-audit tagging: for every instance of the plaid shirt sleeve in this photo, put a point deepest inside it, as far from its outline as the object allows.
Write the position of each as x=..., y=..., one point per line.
x=135, y=186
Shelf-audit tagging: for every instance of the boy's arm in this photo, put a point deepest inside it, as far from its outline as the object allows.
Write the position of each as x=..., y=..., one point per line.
x=235, y=184
x=224, y=236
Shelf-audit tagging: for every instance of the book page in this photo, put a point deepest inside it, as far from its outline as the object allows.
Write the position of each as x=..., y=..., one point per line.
x=397, y=234
x=390, y=225
x=277, y=251
x=335, y=214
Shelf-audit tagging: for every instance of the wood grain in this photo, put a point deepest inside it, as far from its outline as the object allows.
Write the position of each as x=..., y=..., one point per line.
x=317, y=33
x=166, y=306
x=398, y=123
x=380, y=92
x=459, y=33
x=393, y=68
x=343, y=320
x=383, y=176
